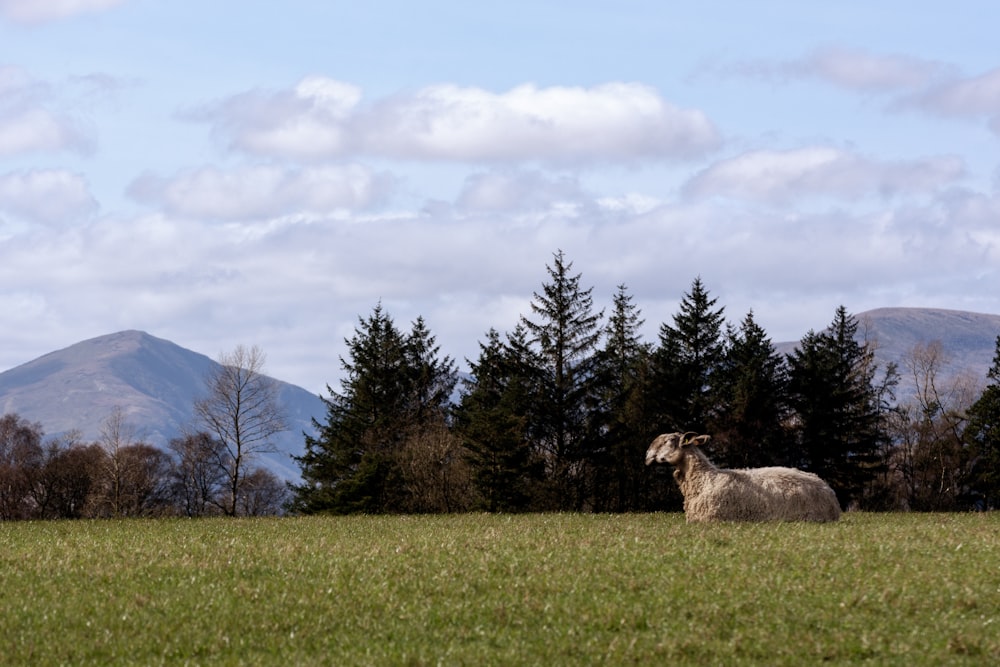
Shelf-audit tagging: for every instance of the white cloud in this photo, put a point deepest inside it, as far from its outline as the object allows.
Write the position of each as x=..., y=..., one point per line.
x=913, y=83
x=860, y=70
x=27, y=122
x=852, y=69
x=783, y=176
x=33, y=130
x=615, y=122
x=306, y=122
x=976, y=97
x=49, y=196
x=41, y=11
x=516, y=190
x=259, y=192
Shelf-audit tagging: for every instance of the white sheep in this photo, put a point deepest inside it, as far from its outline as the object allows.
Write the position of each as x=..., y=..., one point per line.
x=752, y=494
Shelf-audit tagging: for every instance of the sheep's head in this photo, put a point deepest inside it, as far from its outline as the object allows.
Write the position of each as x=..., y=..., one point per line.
x=670, y=447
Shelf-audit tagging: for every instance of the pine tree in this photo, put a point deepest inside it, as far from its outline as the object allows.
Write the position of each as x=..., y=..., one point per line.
x=753, y=399
x=394, y=388
x=689, y=355
x=492, y=418
x=565, y=335
x=432, y=471
x=982, y=433
x=840, y=410
x=432, y=380
x=622, y=417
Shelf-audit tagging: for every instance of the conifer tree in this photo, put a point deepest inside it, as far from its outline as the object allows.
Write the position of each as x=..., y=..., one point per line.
x=622, y=415
x=839, y=407
x=432, y=378
x=565, y=335
x=394, y=386
x=689, y=355
x=493, y=420
x=753, y=400
x=982, y=433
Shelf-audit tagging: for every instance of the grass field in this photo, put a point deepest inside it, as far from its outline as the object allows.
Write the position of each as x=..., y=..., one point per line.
x=559, y=589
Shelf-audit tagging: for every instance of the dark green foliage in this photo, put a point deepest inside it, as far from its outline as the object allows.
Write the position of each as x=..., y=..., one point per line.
x=622, y=419
x=565, y=337
x=840, y=411
x=982, y=433
x=686, y=362
x=395, y=386
x=752, y=391
x=493, y=421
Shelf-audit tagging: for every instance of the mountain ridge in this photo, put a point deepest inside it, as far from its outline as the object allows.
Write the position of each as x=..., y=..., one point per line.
x=968, y=339
x=153, y=380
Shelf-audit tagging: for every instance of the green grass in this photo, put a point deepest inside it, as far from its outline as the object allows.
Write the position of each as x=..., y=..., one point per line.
x=562, y=589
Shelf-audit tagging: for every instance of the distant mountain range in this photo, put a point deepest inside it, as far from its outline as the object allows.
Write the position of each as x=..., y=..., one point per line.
x=968, y=340
x=157, y=382
x=154, y=381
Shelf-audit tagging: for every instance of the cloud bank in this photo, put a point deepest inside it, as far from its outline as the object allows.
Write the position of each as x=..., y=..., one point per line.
x=49, y=196
x=781, y=177
x=263, y=191
x=31, y=120
x=323, y=118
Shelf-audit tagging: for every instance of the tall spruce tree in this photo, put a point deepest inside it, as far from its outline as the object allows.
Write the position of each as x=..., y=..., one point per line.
x=393, y=386
x=839, y=407
x=432, y=377
x=753, y=400
x=565, y=334
x=623, y=423
x=982, y=434
x=686, y=362
x=492, y=419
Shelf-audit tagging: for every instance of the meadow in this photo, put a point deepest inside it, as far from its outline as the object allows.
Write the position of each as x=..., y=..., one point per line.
x=559, y=589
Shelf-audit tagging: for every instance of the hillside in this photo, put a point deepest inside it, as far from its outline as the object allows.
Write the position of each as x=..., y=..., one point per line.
x=967, y=339
x=155, y=381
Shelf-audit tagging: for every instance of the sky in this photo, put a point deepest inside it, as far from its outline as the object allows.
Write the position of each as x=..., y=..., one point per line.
x=260, y=173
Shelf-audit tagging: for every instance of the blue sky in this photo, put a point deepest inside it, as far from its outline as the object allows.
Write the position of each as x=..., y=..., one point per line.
x=265, y=173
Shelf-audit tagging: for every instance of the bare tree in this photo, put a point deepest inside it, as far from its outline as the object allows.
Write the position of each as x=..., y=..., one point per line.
x=435, y=473
x=144, y=489
x=930, y=457
x=20, y=450
x=262, y=493
x=117, y=435
x=65, y=486
x=242, y=412
x=196, y=477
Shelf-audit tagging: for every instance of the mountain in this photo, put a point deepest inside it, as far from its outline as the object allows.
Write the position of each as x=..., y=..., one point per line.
x=153, y=380
x=968, y=340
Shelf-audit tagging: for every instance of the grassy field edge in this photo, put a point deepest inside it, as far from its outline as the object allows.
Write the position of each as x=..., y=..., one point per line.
x=501, y=589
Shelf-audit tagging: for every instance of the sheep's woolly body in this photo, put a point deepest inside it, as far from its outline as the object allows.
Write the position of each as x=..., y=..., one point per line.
x=754, y=494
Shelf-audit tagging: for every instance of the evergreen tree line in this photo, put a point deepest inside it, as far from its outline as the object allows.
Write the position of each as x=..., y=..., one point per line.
x=557, y=413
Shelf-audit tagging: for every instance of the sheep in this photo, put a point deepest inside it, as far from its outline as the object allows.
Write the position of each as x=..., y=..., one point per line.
x=752, y=494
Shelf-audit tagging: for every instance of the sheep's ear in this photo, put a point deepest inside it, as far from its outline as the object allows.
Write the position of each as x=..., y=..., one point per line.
x=688, y=439
x=702, y=439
